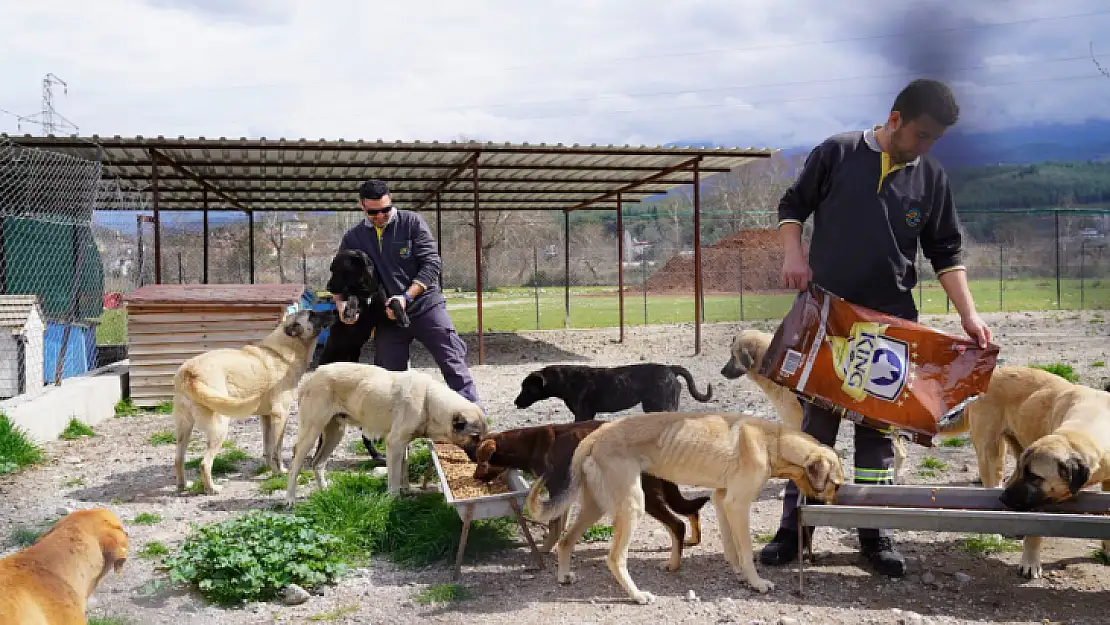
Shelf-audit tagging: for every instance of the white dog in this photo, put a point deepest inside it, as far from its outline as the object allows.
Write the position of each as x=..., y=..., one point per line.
x=395, y=405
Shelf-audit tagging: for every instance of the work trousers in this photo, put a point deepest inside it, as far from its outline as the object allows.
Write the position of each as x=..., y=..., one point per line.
x=435, y=331
x=874, y=460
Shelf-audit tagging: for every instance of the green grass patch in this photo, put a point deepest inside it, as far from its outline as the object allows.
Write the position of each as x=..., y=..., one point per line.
x=108, y=620
x=934, y=464
x=334, y=615
x=1098, y=364
x=26, y=535
x=76, y=430
x=17, y=449
x=165, y=407
x=127, y=408
x=112, y=327
x=275, y=483
x=986, y=544
x=1101, y=556
x=414, y=530
x=225, y=462
x=74, y=482
x=1063, y=370
x=955, y=441
x=597, y=533
x=154, y=549
x=764, y=538
x=254, y=556
x=164, y=437
x=442, y=593
x=147, y=518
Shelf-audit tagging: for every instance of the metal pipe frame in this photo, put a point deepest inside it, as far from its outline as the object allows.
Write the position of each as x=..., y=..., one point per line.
x=697, y=259
x=204, y=260
x=471, y=161
x=566, y=270
x=631, y=186
x=620, y=265
x=478, y=267
x=439, y=238
x=394, y=165
x=250, y=242
x=357, y=179
x=157, y=220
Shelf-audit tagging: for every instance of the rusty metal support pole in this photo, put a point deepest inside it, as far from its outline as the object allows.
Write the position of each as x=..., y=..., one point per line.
x=697, y=261
x=204, y=253
x=157, y=219
x=478, y=268
x=439, y=238
x=250, y=242
x=1056, y=224
x=620, y=263
x=566, y=269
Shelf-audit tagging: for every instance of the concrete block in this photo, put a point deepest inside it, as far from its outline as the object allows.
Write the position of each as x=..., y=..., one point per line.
x=90, y=398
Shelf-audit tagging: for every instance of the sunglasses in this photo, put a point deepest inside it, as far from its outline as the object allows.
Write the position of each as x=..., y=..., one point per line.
x=378, y=211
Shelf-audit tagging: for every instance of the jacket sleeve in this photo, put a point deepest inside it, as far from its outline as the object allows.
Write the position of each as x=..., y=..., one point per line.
x=941, y=240
x=804, y=195
x=425, y=252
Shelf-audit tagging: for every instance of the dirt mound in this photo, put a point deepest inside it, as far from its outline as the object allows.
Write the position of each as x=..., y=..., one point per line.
x=749, y=259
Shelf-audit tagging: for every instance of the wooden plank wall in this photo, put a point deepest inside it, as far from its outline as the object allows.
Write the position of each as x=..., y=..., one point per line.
x=162, y=336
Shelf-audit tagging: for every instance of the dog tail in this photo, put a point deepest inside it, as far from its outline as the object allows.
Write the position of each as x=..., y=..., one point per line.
x=212, y=399
x=568, y=478
x=675, y=501
x=681, y=371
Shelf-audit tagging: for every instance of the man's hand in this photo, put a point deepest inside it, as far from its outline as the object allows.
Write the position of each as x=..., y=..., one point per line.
x=389, y=311
x=796, y=272
x=976, y=329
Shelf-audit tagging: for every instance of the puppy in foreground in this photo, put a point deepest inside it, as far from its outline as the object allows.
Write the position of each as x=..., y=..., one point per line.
x=732, y=453
x=396, y=405
x=50, y=582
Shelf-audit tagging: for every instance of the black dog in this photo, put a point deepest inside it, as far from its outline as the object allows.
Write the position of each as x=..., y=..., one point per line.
x=363, y=309
x=587, y=391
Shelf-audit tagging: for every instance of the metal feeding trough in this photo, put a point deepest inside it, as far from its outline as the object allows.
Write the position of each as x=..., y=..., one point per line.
x=508, y=504
x=953, y=509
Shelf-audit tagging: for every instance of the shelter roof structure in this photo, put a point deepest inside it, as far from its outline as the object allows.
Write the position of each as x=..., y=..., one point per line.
x=261, y=175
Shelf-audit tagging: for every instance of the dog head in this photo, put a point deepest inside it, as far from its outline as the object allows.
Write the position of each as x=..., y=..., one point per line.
x=353, y=277
x=468, y=426
x=821, y=474
x=1048, y=471
x=532, y=389
x=98, y=526
x=485, y=471
x=748, y=348
x=306, y=325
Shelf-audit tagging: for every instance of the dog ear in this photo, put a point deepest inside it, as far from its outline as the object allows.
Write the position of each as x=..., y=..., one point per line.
x=486, y=450
x=818, y=471
x=746, y=359
x=535, y=381
x=113, y=546
x=1076, y=473
x=293, y=329
x=458, y=422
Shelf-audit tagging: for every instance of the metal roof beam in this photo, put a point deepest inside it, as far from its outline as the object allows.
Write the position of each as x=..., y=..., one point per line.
x=438, y=179
x=552, y=203
x=156, y=156
x=401, y=165
x=343, y=194
x=469, y=209
x=629, y=187
x=469, y=163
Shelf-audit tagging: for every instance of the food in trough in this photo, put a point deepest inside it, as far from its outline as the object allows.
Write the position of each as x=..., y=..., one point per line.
x=458, y=470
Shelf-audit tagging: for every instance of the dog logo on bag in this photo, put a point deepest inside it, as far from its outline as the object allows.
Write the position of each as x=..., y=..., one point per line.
x=870, y=363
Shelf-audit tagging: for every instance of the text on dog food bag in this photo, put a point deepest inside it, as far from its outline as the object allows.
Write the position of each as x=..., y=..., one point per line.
x=874, y=368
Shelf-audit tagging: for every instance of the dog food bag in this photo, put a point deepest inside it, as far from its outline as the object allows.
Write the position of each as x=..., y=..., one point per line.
x=873, y=368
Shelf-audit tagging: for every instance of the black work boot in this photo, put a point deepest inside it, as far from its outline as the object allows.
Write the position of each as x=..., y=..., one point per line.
x=880, y=552
x=783, y=548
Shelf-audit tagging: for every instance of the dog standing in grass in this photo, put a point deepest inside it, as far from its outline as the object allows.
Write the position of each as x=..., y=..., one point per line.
x=396, y=405
x=212, y=388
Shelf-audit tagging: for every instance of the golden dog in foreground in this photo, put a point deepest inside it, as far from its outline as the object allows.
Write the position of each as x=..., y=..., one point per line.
x=50, y=582
x=734, y=454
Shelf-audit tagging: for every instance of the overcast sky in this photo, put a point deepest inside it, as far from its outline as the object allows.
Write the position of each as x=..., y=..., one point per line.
x=773, y=73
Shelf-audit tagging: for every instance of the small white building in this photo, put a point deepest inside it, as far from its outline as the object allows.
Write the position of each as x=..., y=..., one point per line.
x=22, y=332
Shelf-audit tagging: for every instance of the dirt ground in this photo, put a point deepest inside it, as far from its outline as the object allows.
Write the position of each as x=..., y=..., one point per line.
x=946, y=584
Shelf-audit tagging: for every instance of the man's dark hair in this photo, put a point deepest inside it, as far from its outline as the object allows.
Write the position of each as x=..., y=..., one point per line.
x=925, y=96
x=373, y=190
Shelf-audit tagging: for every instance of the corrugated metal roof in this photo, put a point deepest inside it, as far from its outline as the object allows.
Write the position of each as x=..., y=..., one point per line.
x=15, y=309
x=301, y=175
x=278, y=294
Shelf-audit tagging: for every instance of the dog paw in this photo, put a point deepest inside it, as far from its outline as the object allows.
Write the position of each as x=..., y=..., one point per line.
x=668, y=566
x=762, y=585
x=643, y=597
x=1029, y=571
x=567, y=578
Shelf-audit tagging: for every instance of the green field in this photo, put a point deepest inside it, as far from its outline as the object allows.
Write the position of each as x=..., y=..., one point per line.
x=510, y=310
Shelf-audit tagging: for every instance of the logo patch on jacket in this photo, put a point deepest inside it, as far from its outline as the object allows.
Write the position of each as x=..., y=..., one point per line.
x=913, y=217
x=406, y=249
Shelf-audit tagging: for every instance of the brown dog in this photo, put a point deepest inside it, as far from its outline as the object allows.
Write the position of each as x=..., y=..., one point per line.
x=49, y=583
x=546, y=450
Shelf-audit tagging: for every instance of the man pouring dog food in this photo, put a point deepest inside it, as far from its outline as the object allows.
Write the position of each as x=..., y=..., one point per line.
x=874, y=195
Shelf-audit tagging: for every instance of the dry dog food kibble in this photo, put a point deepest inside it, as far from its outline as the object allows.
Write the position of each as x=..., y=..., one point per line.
x=874, y=368
x=459, y=472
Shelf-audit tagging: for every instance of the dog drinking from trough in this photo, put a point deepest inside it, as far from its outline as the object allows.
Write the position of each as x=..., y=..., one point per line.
x=261, y=379
x=732, y=453
x=587, y=390
x=545, y=451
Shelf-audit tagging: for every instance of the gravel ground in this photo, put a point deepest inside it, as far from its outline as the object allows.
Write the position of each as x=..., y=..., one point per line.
x=947, y=584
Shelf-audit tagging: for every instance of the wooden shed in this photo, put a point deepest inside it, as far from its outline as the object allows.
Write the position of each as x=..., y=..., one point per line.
x=169, y=323
x=22, y=328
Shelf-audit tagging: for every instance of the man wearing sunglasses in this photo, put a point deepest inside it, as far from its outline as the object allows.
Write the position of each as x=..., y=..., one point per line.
x=401, y=246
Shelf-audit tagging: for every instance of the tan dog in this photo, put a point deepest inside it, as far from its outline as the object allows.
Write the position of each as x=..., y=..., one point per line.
x=398, y=406
x=748, y=349
x=50, y=582
x=734, y=454
x=261, y=379
x=1058, y=433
